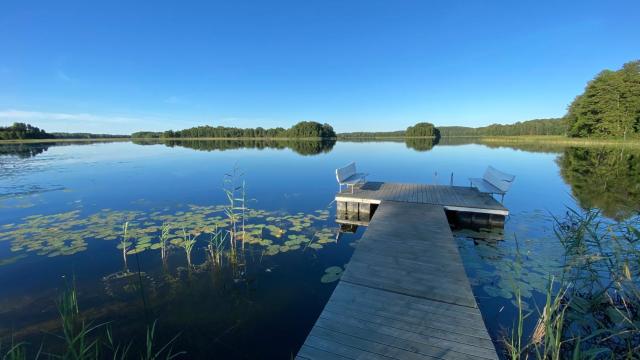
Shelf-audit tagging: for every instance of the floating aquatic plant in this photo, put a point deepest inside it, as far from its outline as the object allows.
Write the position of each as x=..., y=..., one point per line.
x=331, y=274
x=68, y=233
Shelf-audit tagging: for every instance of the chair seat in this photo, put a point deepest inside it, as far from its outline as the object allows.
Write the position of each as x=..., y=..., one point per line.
x=486, y=187
x=354, y=179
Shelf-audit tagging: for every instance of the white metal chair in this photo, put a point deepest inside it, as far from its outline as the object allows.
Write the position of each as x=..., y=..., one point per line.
x=348, y=176
x=493, y=182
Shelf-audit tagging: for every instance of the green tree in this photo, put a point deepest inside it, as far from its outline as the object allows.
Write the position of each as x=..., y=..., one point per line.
x=423, y=129
x=304, y=129
x=20, y=131
x=609, y=106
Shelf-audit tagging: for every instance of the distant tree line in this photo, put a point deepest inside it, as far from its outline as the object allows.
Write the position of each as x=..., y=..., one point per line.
x=304, y=129
x=19, y=131
x=529, y=127
x=609, y=106
x=22, y=131
x=372, y=135
x=422, y=129
x=64, y=135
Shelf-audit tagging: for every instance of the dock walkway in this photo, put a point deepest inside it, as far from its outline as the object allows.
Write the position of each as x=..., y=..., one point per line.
x=403, y=295
x=453, y=198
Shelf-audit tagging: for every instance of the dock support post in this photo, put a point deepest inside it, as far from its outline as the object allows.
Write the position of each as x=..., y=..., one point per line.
x=364, y=212
x=352, y=208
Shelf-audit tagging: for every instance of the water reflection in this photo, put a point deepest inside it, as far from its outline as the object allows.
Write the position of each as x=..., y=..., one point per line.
x=23, y=151
x=421, y=144
x=604, y=178
x=302, y=147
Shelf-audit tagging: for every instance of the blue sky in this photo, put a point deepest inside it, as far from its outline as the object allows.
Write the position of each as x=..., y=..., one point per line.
x=359, y=65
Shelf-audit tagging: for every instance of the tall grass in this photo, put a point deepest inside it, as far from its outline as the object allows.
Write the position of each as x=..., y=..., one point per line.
x=593, y=309
x=188, y=243
x=80, y=339
x=216, y=246
x=76, y=333
x=124, y=244
x=164, y=236
x=17, y=351
x=235, y=190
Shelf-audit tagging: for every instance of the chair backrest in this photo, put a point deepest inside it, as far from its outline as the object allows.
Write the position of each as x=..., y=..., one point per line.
x=498, y=179
x=344, y=172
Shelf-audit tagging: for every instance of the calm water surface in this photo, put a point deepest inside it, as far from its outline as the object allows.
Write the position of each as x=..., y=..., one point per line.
x=62, y=207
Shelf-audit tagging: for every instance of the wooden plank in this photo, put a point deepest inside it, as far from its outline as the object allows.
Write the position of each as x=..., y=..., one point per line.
x=408, y=340
x=404, y=294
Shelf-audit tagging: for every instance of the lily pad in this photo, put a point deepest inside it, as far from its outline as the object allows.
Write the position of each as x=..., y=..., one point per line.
x=331, y=274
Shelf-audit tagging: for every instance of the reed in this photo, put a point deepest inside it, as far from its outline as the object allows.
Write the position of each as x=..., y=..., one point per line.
x=165, y=351
x=593, y=310
x=81, y=340
x=124, y=244
x=76, y=333
x=188, y=242
x=236, y=206
x=216, y=246
x=16, y=351
x=559, y=140
x=164, y=236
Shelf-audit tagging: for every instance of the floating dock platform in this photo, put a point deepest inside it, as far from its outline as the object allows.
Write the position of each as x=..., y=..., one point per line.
x=404, y=293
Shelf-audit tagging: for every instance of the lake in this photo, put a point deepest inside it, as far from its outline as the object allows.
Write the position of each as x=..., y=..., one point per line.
x=63, y=207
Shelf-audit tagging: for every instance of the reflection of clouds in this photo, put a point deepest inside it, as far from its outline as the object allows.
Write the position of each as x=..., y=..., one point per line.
x=27, y=168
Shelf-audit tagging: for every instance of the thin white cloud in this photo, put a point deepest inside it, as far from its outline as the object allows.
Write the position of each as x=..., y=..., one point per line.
x=121, y=124
x=84, y=122
x=63, y=76
x=175, y=100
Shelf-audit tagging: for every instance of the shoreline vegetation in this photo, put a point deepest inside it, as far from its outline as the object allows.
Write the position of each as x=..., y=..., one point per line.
x=497, y=140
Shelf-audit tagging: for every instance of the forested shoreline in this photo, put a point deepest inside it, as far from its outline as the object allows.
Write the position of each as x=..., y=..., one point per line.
x=22, y=131
x=303, y=129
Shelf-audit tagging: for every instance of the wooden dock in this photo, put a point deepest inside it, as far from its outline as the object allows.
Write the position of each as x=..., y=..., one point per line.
x=405, y=293
x=452, y=198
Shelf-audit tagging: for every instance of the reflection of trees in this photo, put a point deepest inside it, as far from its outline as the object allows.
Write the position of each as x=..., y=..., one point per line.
x=27, y=150
x=302, y=147
x=23, y=151
x=516, y=144
x=604, y=178
x=421, y=144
